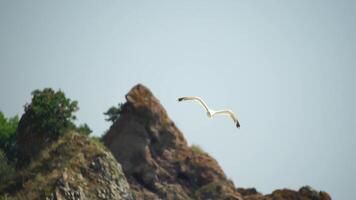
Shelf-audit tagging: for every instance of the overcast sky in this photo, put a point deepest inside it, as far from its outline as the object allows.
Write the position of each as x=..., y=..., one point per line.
x=287, y=68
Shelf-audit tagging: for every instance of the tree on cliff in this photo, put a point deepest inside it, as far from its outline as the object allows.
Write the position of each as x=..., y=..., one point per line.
x=113, y=113
x=8, y=128
x=51, y=111
x=46, y=118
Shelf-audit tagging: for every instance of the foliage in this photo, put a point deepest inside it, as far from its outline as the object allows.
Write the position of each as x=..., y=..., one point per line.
x=7, y=133
x=197, y=149
x=113, y=113
x=98, y=142
x=51, y=111
x=4, y=197
x=7, y=171
x=84, y=129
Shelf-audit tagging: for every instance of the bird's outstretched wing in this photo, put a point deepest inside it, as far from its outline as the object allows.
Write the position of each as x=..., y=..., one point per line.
x=230, y=113
x=198, y=99
x=211, y=113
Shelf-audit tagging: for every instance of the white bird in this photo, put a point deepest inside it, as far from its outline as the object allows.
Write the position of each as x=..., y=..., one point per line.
x=211, y=113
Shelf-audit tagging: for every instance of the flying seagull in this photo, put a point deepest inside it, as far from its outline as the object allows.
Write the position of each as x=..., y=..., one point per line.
x=211, y=113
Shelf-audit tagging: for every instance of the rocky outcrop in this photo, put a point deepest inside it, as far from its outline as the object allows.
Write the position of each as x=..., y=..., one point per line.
x=304, y=193
x=72, y=168
x=156, y=158
x=159, y=164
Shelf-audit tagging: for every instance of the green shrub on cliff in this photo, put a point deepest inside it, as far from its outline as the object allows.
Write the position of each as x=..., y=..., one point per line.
x=51, y=111
x=46, y=118
x=197, y=149
x=84, y=129
x=8, y=128
x=113, y=113
x=7, y=171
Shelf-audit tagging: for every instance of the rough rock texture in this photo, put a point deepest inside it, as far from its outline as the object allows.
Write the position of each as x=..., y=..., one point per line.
x=155, y=156
x=159, y=164
x=304, y=193
x=72, y=168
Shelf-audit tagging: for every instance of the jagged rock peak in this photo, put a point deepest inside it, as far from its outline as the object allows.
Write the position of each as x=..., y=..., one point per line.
x=156, y=158
x=142, y=101
x=140, y=95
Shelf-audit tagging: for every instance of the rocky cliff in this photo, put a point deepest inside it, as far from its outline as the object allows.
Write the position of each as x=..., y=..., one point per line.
x=144, y=157
x=155, y=156
x=74, y=167
x=159, y=164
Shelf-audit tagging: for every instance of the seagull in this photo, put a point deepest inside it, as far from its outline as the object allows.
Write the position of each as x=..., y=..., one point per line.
x=211, y=113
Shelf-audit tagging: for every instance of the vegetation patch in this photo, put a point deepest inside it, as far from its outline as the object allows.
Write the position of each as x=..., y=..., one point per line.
x=51, y=111
x=7, y=171
x=8, y=128
x=113, y=113
x=197, y=149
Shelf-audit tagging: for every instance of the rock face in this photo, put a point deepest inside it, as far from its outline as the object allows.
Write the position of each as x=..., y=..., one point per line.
x=159, y=164
x=156, y=158
x=304, y=193
x=72, y=168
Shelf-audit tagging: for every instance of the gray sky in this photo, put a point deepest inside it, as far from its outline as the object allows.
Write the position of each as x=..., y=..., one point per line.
x=286, y=67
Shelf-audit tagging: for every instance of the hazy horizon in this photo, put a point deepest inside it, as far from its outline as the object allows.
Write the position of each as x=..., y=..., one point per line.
x=286, y=68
